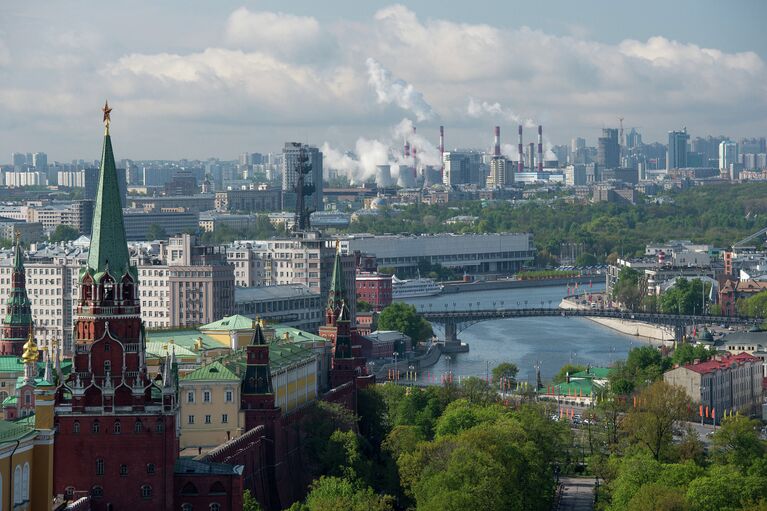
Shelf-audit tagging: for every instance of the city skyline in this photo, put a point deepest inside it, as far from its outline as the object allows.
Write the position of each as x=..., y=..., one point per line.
x=219, y=80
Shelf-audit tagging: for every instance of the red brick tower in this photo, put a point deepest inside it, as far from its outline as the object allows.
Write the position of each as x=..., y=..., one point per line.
x=17, y=322
x=116, y=427
x=257, y=391
x=338, y=329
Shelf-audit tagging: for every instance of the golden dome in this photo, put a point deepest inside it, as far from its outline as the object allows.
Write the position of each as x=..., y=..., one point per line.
x=30, y=349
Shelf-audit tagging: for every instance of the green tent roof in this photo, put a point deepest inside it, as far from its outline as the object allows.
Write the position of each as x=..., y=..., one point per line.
x=183, y=338
x=295, y=334
x=213, y=371
x=11, y=431
x=229, y=323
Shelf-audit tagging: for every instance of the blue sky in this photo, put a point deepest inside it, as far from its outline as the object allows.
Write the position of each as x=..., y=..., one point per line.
x=200, y=78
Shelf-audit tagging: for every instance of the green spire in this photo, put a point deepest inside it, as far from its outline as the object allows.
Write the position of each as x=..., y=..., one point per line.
x=18, y=306
x=336, y=293
x=109, y=249
x=18, y=256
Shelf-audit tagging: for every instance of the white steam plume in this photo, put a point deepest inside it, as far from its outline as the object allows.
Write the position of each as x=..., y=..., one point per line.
x=480, y=109
x=369, y=153
x=394, y=90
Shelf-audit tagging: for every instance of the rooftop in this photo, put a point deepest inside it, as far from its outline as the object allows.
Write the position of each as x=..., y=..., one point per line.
x=269, y=293
x=192, y=466
x=721, y=362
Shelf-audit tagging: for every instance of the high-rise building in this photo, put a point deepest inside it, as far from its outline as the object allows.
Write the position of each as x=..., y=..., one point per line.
x=291, y=153
x=128, y=417
x=608, y=149
x=18, y=160
x=633, y=139
x=499, y=175
x=461, y=167
x=676, y=155
x=728, y=154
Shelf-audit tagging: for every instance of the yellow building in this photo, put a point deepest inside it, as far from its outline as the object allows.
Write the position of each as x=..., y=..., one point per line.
x=210, y=396
x=26, y=457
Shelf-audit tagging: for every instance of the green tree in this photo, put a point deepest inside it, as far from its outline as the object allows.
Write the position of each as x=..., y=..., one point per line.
x=334, y=493
x=657, y=497
x=754, y=306
x=506, y=371
x=737, y=442
x=643, y=366
x=63, y=233
x=567, y=369
x=651, y=423
x=403, y=318
x=626, y=289
x=461, y=415
x=686, y=353
x=249, y=502
x=586, y=260
x=156, y=232
x=363, y=306
x=478, y=391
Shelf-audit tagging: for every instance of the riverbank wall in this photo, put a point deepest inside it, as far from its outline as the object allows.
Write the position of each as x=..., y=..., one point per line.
x=492, y=285
x=660, y=334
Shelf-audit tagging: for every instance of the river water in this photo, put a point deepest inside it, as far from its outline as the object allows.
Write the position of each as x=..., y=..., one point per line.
x=550, y=341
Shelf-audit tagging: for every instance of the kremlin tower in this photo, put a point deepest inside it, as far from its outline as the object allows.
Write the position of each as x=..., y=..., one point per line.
x=17, y=323
x=116, y=426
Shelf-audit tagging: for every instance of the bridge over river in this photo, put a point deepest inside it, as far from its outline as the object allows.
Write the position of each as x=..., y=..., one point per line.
x=455, y=321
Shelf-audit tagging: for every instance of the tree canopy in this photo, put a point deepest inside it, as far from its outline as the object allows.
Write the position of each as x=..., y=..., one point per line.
x=403, y=317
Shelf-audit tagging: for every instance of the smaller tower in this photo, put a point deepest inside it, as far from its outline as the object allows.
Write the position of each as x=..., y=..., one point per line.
x=17, y=322
x=257, y=390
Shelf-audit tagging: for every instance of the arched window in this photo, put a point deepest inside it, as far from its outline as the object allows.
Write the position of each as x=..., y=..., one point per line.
x=117, y=428
x=76, y=427
x=69, y=492
x=215, y=506
x=95, y=427
x=123, y=470
x=189, y=489
x=99, y=467
x=160, y=427
x=138, y=427
x=150, y=468
x=17, y=498
x=25, y=482
x=146, y=491
x=97, y=491
x=217, y=489
x=107, y=366
x=186, y=507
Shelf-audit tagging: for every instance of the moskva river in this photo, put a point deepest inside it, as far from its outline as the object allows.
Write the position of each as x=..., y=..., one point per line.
x=551, y=341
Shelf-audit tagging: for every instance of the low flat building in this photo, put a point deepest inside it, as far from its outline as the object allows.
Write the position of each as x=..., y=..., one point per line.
x=731, y=383
x=138, y=222
x=473, y=253
x=291, y=304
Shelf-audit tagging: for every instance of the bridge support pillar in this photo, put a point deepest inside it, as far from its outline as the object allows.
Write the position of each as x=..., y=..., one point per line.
x=679, y=332
x=452, y=342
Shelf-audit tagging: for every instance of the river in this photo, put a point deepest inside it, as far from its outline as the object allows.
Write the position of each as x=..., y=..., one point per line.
x=552, y=341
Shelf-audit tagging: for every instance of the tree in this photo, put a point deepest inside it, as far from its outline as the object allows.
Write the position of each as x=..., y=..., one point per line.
x=63, y=233
x=334, y=493
x=566, y=370
x=363, y=306
x=506, y=371
x=249, y=502
x=651, y=423
x=643, y=365
x=461, y=415
x=403, y=318
x=737, y=442
x=156, y=232
x=626, y=289
x=586, y=260
x=686, y=353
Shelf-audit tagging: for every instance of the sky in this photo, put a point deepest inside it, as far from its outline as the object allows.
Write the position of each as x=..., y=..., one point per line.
x=199, y=79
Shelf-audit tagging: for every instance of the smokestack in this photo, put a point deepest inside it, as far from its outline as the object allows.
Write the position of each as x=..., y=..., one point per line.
x=497, y=151
x=415, y=159
x=531, y=155
x=540, y=148
x=520, y=164
x=407, y=149
x=441, y=152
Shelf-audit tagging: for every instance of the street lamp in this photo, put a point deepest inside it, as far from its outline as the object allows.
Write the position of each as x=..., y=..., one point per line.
x=396, y=374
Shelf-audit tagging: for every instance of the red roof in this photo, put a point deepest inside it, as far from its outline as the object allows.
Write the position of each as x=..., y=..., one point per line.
x=721, y=362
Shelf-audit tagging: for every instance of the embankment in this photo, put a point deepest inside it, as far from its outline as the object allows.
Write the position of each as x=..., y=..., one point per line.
x=653, y=333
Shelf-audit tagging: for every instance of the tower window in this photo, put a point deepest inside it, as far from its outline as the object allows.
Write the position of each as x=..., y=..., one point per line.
x=123, y=470
x=97, y=491
x=138, y=427
x=146, y=491
x=95, y=427
x=150, y=468
x=117, y=428
x=99, y=467
x=76, y=427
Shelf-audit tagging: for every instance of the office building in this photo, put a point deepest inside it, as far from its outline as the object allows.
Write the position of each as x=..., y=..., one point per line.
x=248, y=200
x=575, y=175
x=676, y=155
x=608, y=149
x=461, y=167
x=728, y=154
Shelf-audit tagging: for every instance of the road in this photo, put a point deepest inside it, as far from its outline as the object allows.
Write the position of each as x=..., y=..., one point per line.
x=577, y=494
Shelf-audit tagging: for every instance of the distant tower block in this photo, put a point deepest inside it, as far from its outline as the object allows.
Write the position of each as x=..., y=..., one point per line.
x=497, y=148
x=531, y=155
x=441, y=153
x=520, y=159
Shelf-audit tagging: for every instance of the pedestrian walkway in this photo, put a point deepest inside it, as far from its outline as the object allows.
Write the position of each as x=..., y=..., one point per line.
x=577, y=494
